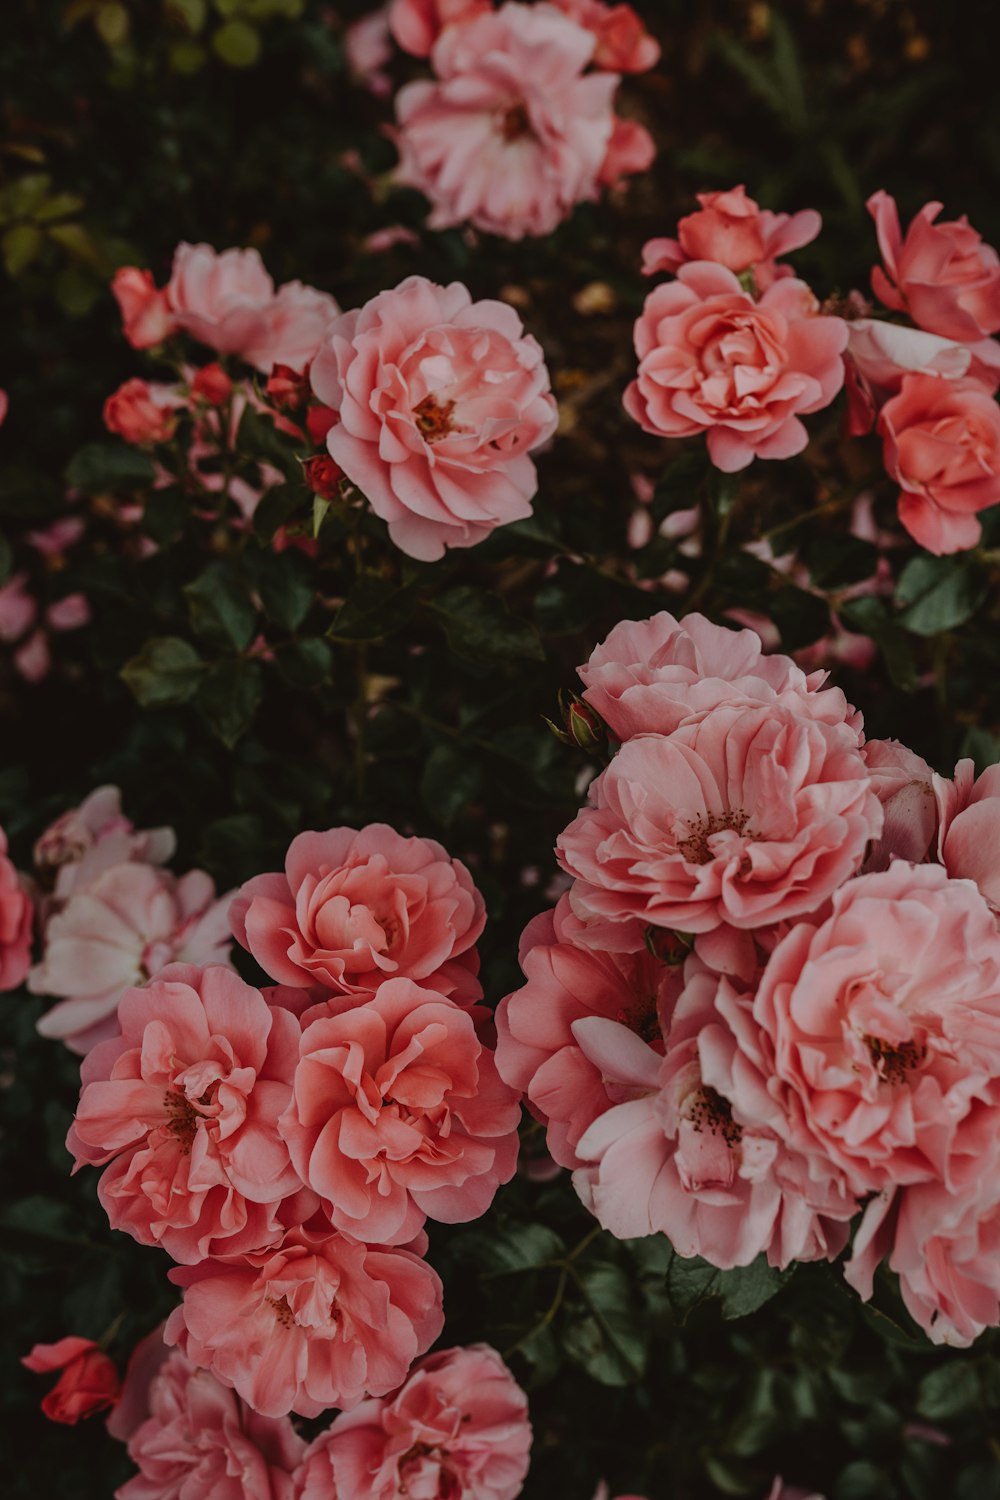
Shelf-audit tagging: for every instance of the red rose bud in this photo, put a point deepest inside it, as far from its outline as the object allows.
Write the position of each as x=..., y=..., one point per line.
x=583, y=726
x=669, y=947
x=287, y=388
x=319, y=420
x=213, y=385
x=323, y=476
x=88, y=1384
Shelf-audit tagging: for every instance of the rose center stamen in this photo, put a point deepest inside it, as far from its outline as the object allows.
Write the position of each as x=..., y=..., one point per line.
x=434, y=418
x=515, y=123
x=708, y=1110
x=893, y=1060
x=696, y=847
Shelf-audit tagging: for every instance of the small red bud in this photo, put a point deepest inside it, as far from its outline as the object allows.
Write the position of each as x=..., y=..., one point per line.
x=287, y=388
x=319, y=420
x=323, y=476
x=213, y=385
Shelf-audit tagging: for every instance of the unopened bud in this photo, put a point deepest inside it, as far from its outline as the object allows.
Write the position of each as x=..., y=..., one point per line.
x=212, y=384
x=323, y=476
x=584, y=727
x=287, y=388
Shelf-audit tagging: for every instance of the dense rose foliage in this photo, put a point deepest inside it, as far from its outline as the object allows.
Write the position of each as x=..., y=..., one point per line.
x=88, y=1384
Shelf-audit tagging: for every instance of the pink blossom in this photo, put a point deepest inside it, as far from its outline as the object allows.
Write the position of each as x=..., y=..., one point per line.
x=145, y=308
x=212, y=385
x=537, y=1051
x=16, y=915
x=631, y=149
x=968, y=809
x=320, y=1320
x=4, y=406
x=941, y=443
x=732, y=230
x=369, y=50
x=510, y=135
x=751, y=815
x=623, y=43
x=201, y=1442
x=87, y=840
x=293, y=328
x=440, y=401
x=904, y=784
x=713, y=360
x=355, y=907
x=782, y=1491
x=220, y=298
x=18, y=608
x=117, y=931
x=184, y=1104
x=133, y=1405
x=941, y=274
x=399, y=1114
x=458, y=1428
x=881, y=1026
x=651, y=676
x=417, y=24
x=88, y=1384
x=879, y=354
x=143, y=413
x=71, y=612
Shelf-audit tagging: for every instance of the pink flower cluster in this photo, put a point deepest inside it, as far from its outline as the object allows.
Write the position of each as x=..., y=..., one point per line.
x=513, y=130
x=770, y=1000
x=28, y=623
x=285, y=1146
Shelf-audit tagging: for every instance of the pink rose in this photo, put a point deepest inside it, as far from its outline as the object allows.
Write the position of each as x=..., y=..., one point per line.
x=212, y=385
x=968, y=810
x=458, y=1428
x=318, y=1321
x=440, y=400
x=623, y=43
x=84, y=842
x=201, y=1442
x=145, y=308
x=417, y=24
x=749, y=816
x=782, y=1491
x=631, y=149
x=882, y=1027
x=904, y=784
x=221, y=299
x=732, y=230
x=4, y=406
x=16, y=914
x=651, y=676
x=941, y=443
x=713, y=360
x=18, y=608
x=941, y=274
x=879, y=355
x=356, y=907
x=368, y=50
x=510, y=135
x=88, y=1384
x=398, y=1114
x=184, y=1104
x=117, y=931
x=537, y=1051
x=293, y=327
x=133, y=1405
x=143, y=413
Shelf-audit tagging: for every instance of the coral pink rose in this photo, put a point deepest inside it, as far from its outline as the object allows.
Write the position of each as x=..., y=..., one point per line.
x=623, y=43
x=941, y=443
x=201, y=1442
x=713, y=360
x=4, y=406
x=355, y=907
x=133, y=1405
x=88, y=1384
x=732, y=230
x=145, y=308
x=16, y=915
x=941, y=274
x=537, y=1052
x=969, y=827
x=117, y=931
x=417, y=24
x=904, y=784
x=682, y=1155
x=749, y=816
x=882, y=1026
x=319, y=1321
x=879, y=354
x=630, y=150
x=183, y=1106
x=458, y=1428
x=440, y=401
x=511, y=134
x=399, y=1114
x=651, y=676
x=87, y=840
x=293, y=328
x=143, y=413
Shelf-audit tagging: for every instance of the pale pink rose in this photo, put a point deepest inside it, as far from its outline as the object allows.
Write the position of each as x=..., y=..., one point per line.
x=4, y=406
x=16, y=913
x=749, y=816
x=71, y=612
x=631, y=149
x=147, y=318
x=879, y=354
x=201, y=1442
x=87, y=840
x=320, y=1320
x=458, y=1428
x=355, y=907
x=941, y=274
x=292, y=329
x=117, y=931
x=398, y=1114
x=142, y=412
x=221, y=299
x=440, y=401
x=33, y=659
x=904, y=784
x=56, y=539
x=968, y=808
x=694, y=1149
x=88, y=1384
x=714, y=361
x=368, y=50
x=941, y=443
x=882, y=1025
x=183, y=1104
x=732, y=230
x=623, y=43
x=782, y=1491
x=18, y=608
x=133, y=1405
x=417, y=24
x=511, y=134
x=537, y=1052
x=651, y=676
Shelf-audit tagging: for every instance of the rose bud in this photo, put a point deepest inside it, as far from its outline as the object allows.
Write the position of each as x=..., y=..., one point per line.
x=88, y=1384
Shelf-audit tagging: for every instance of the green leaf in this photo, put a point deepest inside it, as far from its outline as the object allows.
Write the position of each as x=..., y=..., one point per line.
x=285, y=583
x=681, y=483
x=20, y=245
x=951, y=1390
x=229, y=697
x=165, y=514
x=109, y=466
x=237, y=44
x=939, y=593
x=304, y=664
x=373, y=609
x=277, y=508
x=740, y=1291
x=513, y=1249
x=480, y=628
x=608, y=1338
x=220, y=608
x=166, y=670
x=451, y=780
x=981, y=746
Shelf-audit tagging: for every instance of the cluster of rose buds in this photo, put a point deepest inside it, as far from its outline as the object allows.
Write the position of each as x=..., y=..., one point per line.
x=767, y=1007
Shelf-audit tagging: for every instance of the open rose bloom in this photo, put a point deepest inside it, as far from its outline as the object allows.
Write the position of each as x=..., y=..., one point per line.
x=733, y=231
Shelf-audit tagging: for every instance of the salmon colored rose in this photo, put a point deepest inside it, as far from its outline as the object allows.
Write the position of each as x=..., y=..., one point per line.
x=623, y=43
x=880, y=354
x=88, y=1384
x=714, y=361
x=16, y=915
x=940, y=273
x=143, y=413
x=145, y=308
x=417, y=24
x=732, y=230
